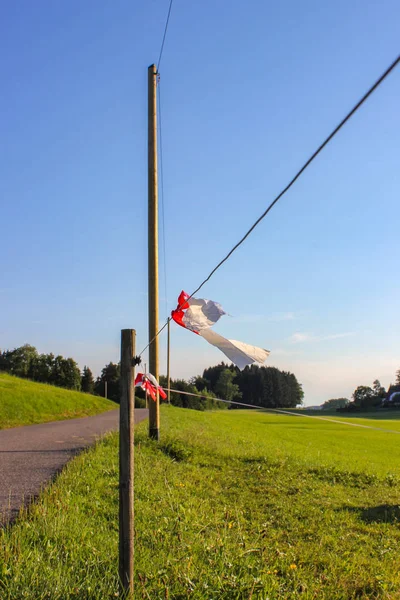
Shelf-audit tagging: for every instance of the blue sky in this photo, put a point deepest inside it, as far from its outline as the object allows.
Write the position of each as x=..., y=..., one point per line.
x=248, y=92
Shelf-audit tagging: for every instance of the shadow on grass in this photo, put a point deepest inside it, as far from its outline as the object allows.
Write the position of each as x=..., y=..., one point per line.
x=384, y=513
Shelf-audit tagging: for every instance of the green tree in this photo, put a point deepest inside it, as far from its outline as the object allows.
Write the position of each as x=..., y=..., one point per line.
x=200, y=383
x=299, y=393
x=379, y=391
x=65, y=373
x=87, y=381
x=260, y=386
x=183, y=400
x=335, y=403
x=20, y=360
x=225, y=388
x=209, y=402
x=212, y=374
x=201, y=400
x=41, y=368
x=364, y=396
x=72, y=374
x=111, y=375
x=5, y=360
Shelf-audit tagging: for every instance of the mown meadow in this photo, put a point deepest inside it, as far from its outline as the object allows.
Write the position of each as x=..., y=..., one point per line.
x=229, y=505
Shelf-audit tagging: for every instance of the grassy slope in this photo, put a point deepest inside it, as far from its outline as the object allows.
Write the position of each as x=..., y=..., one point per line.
x=24, y=402
x=256, y=506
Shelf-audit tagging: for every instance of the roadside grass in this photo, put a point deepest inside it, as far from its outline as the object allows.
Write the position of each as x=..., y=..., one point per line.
x=24, y=402
x=229, y=505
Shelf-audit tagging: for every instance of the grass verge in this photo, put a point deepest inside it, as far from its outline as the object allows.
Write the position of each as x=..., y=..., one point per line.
x=229, y=505
x=24, y=402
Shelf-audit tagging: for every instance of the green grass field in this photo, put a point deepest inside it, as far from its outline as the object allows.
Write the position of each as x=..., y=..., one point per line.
x=374, y=414
x=229, y=505
x=389, y=419
x=24, y=402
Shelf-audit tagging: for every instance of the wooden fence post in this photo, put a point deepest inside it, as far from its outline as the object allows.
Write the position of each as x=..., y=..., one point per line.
x=126, y=462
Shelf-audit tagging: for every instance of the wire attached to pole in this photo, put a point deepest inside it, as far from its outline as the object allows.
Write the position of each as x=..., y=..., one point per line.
x=162, y=196
x=165, y=34
x=303, y=168
x=292, y=181
x=203, y=397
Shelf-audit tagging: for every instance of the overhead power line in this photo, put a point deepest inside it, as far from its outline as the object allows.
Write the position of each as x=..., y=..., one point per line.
x=164, y=36
x=301, y=171
x=162, y=199
x=291, y=182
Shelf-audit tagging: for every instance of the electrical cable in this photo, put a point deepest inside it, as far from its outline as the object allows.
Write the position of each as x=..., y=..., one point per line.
x=303, y=168
x=292, y=181
x=217, y=399
x=165, y=34
x=285, y=412
x=162, y=200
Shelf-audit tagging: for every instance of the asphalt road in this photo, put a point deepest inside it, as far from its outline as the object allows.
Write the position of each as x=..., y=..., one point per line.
x=30, y=457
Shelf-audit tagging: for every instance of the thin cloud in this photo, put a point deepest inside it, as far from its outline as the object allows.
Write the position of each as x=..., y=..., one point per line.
x=300, y=337
x=282, y=352
x=284, y=316
x=248, y=318
x=274, y=318
x=335, y=336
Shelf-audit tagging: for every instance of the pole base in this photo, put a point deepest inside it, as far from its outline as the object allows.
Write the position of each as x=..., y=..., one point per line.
x=154, y=433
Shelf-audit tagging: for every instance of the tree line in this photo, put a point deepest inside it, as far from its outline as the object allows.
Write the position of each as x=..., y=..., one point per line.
x=25, y=361
x=266, y=387
x=260, y=386
x=364, y=397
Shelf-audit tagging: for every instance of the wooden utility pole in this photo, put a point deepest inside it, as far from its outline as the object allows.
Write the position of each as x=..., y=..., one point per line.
x=154, y=407
x=126, y=457
x=105, y=389
x=168, y=361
